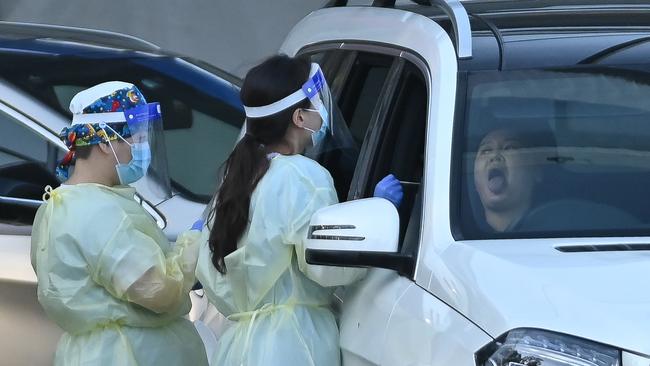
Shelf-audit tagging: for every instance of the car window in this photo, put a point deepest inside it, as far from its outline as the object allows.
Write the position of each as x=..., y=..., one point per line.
x=19, y=144
x=24, y=171
x=358, y=79
x=202, y=114
x=361, y=92
x=65, y=93
x=195, y=153
x=400, y=149
x=555, y=153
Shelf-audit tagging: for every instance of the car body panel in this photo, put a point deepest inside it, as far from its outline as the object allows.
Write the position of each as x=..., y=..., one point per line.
x=403, y=325
x=508, y=284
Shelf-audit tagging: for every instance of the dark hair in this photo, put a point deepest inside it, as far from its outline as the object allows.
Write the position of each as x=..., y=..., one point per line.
x=530, y=132
x=272, y=80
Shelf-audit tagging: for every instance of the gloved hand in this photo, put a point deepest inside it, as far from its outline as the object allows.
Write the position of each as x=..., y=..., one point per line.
x=391, y=189
x=198, y=225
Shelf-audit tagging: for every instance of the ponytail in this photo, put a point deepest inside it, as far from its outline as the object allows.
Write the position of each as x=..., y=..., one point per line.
x=264, y=84
x=243, y=170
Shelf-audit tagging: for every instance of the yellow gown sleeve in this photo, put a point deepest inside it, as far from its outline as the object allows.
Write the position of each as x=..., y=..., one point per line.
x=133, y=266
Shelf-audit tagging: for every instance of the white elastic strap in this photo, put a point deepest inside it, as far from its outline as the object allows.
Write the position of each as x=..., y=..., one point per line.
x=282, y=104
x=104, y=126
x=114, y=154
x=273, y=108
x=109, y=117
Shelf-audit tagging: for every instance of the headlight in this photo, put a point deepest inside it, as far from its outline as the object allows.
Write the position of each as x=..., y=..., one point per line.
x=532, y=347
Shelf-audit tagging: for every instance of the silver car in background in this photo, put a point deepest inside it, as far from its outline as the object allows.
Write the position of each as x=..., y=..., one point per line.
x=41, y=69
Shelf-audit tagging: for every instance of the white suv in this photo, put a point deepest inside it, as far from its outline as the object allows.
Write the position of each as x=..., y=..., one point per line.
x=421, y=87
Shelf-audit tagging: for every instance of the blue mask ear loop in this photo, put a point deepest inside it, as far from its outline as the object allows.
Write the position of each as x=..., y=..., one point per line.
x=103, y=126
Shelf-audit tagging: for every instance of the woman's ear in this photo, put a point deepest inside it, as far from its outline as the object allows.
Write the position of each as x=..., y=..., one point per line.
x=297, y=118
x=105, y=148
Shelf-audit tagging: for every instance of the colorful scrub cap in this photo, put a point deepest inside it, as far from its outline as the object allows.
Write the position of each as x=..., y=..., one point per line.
x=101, y=104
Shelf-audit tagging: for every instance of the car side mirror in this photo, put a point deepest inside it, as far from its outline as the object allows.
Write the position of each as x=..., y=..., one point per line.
x=360, y=233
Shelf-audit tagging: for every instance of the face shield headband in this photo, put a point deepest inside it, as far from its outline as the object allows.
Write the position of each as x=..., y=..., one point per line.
x=137, y=118
x=315, y=89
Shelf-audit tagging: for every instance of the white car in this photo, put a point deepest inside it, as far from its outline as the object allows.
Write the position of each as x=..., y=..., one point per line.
x=420, y=86
x=41, y=69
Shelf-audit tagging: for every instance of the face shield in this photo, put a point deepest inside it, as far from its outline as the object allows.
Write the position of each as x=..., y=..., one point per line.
x=147, y=170
x=333, y=133
x=318, y=93
x=146, y=126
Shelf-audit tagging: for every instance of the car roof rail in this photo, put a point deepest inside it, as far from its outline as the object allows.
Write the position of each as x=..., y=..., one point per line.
x=460, y=21
x=92, y=36
x=454, y=10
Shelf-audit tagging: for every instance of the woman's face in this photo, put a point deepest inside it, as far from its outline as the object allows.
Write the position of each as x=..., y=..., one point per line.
x=504, y=175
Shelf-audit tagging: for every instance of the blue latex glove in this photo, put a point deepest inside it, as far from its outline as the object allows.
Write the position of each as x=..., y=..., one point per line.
x=391, y=189
x=198, y=225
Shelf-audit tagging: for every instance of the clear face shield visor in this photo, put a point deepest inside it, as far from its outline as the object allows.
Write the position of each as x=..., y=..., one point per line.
x=147, y=149
x=318, y=93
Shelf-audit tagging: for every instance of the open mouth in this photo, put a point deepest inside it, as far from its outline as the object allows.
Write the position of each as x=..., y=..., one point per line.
x=497, y=182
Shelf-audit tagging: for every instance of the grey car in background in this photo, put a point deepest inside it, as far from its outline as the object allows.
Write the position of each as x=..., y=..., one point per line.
x=41, y=68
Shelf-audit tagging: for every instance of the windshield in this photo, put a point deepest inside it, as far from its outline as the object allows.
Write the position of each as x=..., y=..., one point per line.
x=555, y=153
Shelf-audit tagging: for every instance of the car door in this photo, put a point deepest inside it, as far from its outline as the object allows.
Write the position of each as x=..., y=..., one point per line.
x=382, y=95
x=27, y=160
x=389, y=318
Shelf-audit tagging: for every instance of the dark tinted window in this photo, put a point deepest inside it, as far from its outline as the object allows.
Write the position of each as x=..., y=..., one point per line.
x=26, y=163
x=357, y=80
x=401, y=150
x=361, y=93
x=555, y=153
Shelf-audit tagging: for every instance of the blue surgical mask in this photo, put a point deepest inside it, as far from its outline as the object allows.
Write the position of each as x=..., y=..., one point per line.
x=139, y=164
x=137, y=167
x=318, y=136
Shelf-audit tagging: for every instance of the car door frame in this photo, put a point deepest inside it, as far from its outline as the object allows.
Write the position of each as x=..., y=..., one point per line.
x=422, y=37
x=15, y=239
x=39, y=130
x=366, y=325
x=372, y=136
